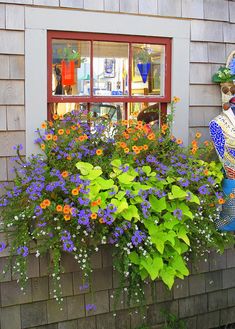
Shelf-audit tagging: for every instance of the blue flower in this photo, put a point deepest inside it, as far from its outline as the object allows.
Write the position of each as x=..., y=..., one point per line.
x=232, y=66
x=24, y=251
x=2, y=246
x=203, y=190
x=178, y=213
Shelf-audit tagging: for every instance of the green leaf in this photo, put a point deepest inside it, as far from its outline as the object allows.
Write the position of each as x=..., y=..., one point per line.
x=92, y=175
x=125, y=178
x=185, y=210
x=152, y=266
x=176, y=193
x=121, y=205
x=168, y=275
x=182, y=234
x=146, y=170
x=84, y=167
x=179, y=265
x=105, y=184
x=134, y=258
x=116, y=163
x=130, y=212
x=193, y=198
x=120, y=195
x=94, y=191
x=157, y=204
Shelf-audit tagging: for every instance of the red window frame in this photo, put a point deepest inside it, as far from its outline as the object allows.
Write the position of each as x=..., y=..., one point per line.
x=87, y=36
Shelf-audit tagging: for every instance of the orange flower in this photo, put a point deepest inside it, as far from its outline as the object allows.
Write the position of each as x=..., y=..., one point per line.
x=98, y=202
x=69, y=157
x=93, y=215
x=50, y=123
x=94, y=203
x=137, y=151
x=101, y=220
x=47, y=202
x=221, y=201
x=151, y=137
x=61, y=117
x=179, y=141
x=55, y=116
x=135, y=139
x=67, y=217
x=194, y=143
x=194, y=150
x=211, y=204
x=42, y=205
x=176, y=99
x=60, y=131
x=43, y=125
x=164, y=127
x=75, y=191
x=99, y=152
x=126, y=150
x=73, y=127
x=206, y=143
x=123, y=144
x=130, y=130
x=145, y=147
x=198, y=135
x=55, y=138
x=67, y=131
x=49, y=137
x=66, y=209
x=124, y=122
x=85, y=137
x=64, y=174
x=127, y=136
x=206, y=172
x=59, y=208
x=232, y=195
x=43, y=146
x=134, y=147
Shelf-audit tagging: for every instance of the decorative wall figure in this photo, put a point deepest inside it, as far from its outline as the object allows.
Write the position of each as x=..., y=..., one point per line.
x=222, y=130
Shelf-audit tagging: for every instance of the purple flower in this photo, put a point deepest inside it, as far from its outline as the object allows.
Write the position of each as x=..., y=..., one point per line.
x=84, y=286
x=189, y=196
x=24, y=251
x=178, y=213
x=2, y=246
x=68, y=245
x=211, y=180
x=138, y=237
x=65, y=236
x=184, y=182
x=203, y=190
x=90, y=307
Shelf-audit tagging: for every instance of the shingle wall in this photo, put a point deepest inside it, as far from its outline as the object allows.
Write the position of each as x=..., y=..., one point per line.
x=206, y=299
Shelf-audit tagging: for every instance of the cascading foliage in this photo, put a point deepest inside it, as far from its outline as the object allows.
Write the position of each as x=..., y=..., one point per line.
x=122, y=184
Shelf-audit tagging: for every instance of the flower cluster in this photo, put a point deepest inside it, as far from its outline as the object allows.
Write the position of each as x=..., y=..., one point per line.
x=125, y=184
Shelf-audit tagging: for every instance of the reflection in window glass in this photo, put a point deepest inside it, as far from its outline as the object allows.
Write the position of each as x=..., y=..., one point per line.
x=70, y=67
x=147, y=112
x=110, y=68
x=64, y=108
x=148, y=69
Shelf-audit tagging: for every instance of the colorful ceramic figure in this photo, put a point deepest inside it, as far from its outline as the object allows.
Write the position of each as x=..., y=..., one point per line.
x=222, y=130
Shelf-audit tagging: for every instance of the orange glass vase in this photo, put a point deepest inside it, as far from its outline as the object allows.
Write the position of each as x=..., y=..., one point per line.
x=67, y=73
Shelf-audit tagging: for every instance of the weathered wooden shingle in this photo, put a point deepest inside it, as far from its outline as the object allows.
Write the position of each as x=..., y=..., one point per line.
x=14, y=17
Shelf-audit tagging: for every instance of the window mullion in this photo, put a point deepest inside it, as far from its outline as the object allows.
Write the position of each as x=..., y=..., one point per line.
x=130, y=69
x=91, y=70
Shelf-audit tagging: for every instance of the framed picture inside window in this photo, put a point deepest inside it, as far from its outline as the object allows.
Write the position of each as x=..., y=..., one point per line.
x=109, y=68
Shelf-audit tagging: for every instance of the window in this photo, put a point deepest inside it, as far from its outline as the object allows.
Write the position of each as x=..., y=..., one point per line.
x=114, y=75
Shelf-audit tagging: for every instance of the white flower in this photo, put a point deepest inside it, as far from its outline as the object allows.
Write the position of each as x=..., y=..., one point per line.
x=37, y=253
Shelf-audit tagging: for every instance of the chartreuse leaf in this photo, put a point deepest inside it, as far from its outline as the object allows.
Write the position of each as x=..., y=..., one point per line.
x=125, y=178
x=136, y=199
x=182, y=234
x=146, y=170
x=105, y=184
x=193, y=198
x=134, y=258
x=121, y=205
x=178, y=264
x=160, y=238
x=94, y=191
x=152, y=265
x=157, y=204
x=116, y=163
x=92, y=175
x=176, y=193
x=84, y=167
x=185, y=210
x=130, y=212
x=168, y=274
x=120, y=195
x=143, y=273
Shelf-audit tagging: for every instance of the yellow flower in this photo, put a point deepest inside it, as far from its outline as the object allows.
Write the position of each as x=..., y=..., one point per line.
x=176, y=99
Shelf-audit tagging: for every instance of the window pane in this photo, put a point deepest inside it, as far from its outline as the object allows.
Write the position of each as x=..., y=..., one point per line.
x=110, y=68
x=70, y=67
x=147, y=112
x=63, y=108
x=148, y=69
x=107, y=111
